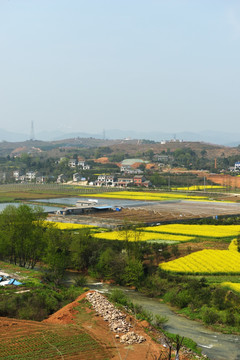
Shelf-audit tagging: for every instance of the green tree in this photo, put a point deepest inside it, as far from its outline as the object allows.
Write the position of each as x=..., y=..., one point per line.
x=150, y=153
x=133, y=273
x=22, y=237
x=82, y=248
x=57, y=253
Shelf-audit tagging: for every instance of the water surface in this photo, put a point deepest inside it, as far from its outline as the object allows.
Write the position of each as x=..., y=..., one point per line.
x=45, y=208
x=215, y=345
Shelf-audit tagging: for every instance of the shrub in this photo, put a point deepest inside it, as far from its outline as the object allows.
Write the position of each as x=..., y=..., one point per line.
x=160, y=320
x=80, y=280
x=118, y=296
x=182, y=299
x=210, y=316
x=230, y=318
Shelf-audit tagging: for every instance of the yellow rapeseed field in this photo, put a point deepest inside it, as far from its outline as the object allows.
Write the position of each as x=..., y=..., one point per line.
x=199, y=187
x=206, y=261
x=233, y=245
x=233, y=286
x=213, y=231
x=140, y=236
x=148, y=196
x=68, y=226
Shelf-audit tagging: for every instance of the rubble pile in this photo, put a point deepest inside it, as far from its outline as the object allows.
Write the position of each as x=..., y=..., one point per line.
x=116, y=319
x=131, y=337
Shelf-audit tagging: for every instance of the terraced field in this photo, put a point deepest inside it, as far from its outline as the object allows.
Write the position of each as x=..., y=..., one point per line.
x=73, y=332
x=22, y=339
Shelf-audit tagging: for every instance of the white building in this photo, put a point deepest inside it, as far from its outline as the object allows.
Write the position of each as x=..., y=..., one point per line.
x=30, y=175
x=17, y=174
x=237, y=166
x=61, y=179
x=72, y=163
x=106, y=180
x=76, y=177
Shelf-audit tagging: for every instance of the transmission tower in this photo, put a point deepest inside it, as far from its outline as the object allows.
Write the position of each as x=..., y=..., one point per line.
x=32, y=131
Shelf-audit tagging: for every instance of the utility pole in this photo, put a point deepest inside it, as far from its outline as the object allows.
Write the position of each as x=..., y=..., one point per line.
x=32, y=131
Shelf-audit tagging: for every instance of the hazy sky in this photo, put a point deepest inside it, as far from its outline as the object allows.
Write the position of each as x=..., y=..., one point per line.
x=150, y=65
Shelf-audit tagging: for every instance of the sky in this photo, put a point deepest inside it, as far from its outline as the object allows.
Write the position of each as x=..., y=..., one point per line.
x=146, y=65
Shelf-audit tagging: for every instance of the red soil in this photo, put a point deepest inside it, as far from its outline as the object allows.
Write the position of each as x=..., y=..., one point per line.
x=21, y=337
x=225, y=180
x=98, y=329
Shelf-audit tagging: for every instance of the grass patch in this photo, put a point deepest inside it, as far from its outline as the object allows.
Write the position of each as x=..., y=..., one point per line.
x=25, y=275
x=188, y=343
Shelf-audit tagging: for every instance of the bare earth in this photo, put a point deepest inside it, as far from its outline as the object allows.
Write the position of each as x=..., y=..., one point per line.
x=156, y=212
x=58, y=338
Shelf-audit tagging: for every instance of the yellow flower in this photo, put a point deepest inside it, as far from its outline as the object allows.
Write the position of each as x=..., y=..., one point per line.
x=233, y=286
x=234, y=245
x=213, y=231
x=147, y=196
x=206, y=261
x=131, y=235
x=68, y=226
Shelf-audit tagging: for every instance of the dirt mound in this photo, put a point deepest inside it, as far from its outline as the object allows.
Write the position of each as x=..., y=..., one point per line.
x=81, y=314
x=37, y=340
x=77, y=332
x=66, y=315
x=225, y=180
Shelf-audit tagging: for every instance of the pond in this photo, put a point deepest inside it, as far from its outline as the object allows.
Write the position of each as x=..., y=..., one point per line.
x=101, y=201
x=45, y=208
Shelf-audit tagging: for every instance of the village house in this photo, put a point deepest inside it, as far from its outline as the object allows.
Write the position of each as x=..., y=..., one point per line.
x=61, y=179
x=237, y=166
x=3, y=176
x=127, y=169
x=17, y=174
x=22, y=178
x=42, y=179
x=30, y=175
x=77, y=177
x=72, y=163
x=124, y=182
x=62, y=159
x=140, y=180
x=81, y=163
x=106, y=180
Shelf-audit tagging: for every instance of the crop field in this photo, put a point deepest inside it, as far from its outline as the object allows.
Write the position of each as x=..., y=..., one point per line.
x=147, y=196
x=232, y=286
x=199, y=188
x=11, y=192
x=207, y=231
x=31, y=340
x=140, y=236
x=233, y=245
x=68, y=226
x=206, y=262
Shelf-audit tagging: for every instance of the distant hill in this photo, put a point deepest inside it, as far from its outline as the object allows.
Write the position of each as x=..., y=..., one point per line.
x=12, y=136
x=212, y=137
